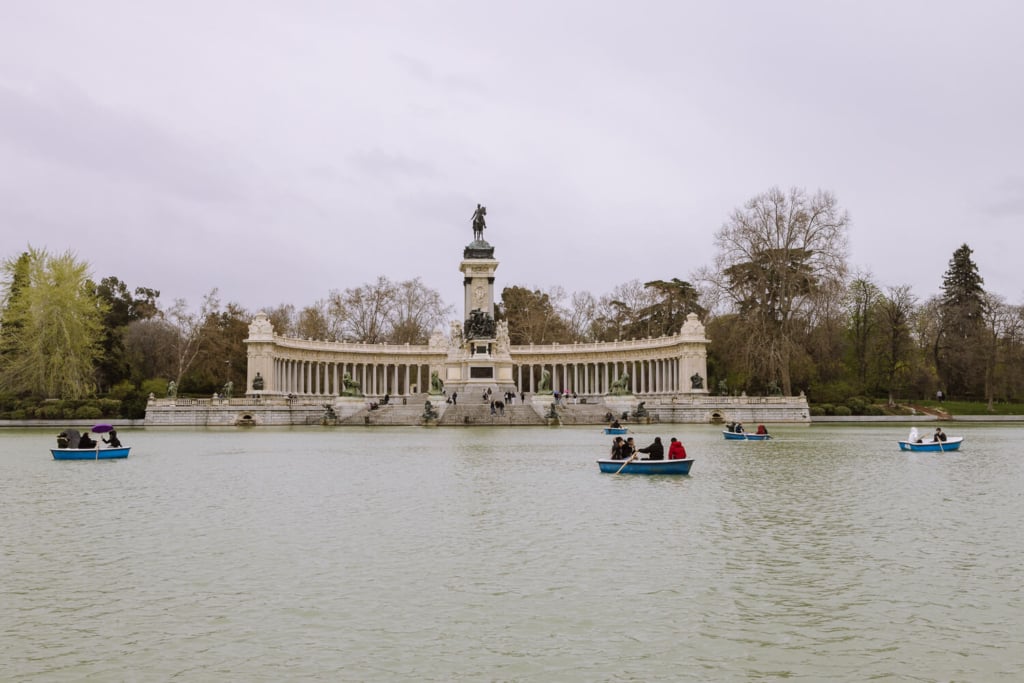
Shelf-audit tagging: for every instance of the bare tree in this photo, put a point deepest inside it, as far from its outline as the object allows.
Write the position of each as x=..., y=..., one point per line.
x=416, y=311
x=895, y=309
x=313, y=322
x=775, y=255
x=862, y=298
x=580, y=316
x=367, y=309
x=145, y=346
x=189, y=327
x=1003, y=327
x=617, y=316
x=282, y=319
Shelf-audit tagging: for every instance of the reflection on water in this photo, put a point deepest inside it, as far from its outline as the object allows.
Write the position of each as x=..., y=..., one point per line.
x=502, y=554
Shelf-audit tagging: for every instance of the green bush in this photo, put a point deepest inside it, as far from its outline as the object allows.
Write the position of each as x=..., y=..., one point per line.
x=874, y=409
x=88, y=412
x=857, y=404
x=817, y=411
x=842, y=411
x=157, y=387
x=51, y=411
x=134, y=408
x=110, y=407
x=122, y=389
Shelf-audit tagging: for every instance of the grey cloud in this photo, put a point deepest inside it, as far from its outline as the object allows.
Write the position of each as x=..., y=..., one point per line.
x=70, y=129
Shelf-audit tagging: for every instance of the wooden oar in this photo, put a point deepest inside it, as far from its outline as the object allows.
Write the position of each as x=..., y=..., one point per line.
x=631, y=459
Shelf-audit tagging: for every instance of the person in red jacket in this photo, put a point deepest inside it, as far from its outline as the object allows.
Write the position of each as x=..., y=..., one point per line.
x=676, y=450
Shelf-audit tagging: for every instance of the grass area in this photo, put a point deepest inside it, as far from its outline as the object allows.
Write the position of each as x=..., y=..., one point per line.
x=974, y=407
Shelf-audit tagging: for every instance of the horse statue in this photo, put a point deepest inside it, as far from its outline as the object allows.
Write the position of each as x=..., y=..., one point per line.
x=436, y=384
x=620, y=387
x=479, y=222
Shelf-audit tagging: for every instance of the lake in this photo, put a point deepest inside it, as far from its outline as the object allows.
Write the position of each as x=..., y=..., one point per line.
x=502, y=554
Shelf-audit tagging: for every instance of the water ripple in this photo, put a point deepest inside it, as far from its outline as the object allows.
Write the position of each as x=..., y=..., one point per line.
x=409, y=554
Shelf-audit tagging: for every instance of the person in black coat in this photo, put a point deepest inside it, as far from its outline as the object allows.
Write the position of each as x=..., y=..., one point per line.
x=86, y=442
x=655, y=451
x=113, y=441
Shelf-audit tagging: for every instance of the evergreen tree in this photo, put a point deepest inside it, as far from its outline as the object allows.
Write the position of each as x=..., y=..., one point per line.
x=121, y=310
x=532, y=317
x=959, y=346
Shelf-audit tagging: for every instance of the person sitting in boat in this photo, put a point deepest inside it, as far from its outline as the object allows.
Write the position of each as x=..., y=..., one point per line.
x=618, y=448
x=62, y=440
x=655, y=451
x=615, y=424
x=761, y=429
x=738, y=428
x=914, y=437
x=628, y=448
x=676, y=450
x=113, y=441
x=731, y=427
x=86, y=442
x=939, y=434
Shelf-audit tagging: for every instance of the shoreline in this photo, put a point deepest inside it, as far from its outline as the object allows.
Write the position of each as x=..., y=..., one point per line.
x=823, y=419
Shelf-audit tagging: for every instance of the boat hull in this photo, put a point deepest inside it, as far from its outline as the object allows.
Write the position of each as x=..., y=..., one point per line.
x=646, y=466
x=743, y=436
x=952, y=444
x=89, y=453
x=616, y=430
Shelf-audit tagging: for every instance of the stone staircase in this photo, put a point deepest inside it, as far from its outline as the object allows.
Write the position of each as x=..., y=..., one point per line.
x=480, y=414
x=391, y=414
x=583, y=413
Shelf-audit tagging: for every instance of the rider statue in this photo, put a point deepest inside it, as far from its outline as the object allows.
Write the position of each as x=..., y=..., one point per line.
x=479, y=223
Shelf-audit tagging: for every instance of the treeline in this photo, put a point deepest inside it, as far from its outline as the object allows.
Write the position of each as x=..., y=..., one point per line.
x=781, y=309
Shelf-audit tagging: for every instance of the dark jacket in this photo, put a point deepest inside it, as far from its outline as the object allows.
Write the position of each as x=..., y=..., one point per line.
x=656, y=450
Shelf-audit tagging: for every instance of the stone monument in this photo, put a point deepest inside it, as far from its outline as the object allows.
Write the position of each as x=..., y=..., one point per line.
x=478, y=350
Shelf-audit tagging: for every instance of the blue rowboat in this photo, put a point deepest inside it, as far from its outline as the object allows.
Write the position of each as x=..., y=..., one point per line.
x=646, y=466
x=951, y=444
x=616, y=430
x=89, y=453
x=743, y=436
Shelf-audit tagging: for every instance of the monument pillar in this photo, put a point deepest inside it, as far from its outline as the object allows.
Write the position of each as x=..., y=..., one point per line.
x=478, y=353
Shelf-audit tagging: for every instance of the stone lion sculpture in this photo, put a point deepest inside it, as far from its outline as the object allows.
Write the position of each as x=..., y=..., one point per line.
x=620, y=386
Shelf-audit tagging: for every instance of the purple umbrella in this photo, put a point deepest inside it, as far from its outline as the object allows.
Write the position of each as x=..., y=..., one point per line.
x=102, y=429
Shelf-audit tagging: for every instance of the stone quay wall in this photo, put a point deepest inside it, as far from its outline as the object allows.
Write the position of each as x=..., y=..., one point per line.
x=283, y=411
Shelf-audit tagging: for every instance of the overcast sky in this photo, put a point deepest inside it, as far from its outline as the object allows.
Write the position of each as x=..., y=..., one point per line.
x=279, y=150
